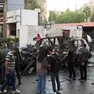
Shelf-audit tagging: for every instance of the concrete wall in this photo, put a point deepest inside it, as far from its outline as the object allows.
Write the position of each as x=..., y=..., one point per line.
x=27, y=33
x=57, y=31
x=25, y=17
x=29, y=17
x=15, y=4
x=23, y=39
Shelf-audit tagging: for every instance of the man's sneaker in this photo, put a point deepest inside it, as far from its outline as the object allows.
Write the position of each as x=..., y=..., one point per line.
x=53, y=93
x=16, y=91
x=81, y=79
x=45, y=92
x=59, y=92
x=5, y=91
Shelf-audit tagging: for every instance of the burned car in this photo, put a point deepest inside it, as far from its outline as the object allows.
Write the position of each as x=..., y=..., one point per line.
x=63, y=44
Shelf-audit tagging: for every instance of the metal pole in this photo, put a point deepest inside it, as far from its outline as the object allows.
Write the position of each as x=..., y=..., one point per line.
x=4, y=20
x=26, y=4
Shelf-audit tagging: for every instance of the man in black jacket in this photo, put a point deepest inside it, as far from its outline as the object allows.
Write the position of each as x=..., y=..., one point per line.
x=83, y=55
x=53, y=70
x=71, y=61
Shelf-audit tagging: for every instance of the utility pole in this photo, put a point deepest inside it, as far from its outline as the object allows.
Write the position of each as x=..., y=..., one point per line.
x=4, y=20
x=26, y=4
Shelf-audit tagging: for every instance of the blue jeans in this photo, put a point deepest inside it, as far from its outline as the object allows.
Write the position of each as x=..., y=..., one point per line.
x=41, y=83
x=11, y=76
x=53, y=77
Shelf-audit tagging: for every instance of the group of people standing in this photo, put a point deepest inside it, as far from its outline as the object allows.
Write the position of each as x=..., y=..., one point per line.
x=83, y=57
x=47, y=60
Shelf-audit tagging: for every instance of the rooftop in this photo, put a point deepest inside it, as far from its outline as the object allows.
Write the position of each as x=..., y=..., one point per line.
x=87, y=24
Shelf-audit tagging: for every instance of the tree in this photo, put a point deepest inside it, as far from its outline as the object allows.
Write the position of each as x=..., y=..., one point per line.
x=71, y=17
x=34, y=4
x=92, y=17
x=87, y=11
x=38, y=4
x=92, y=12
x=53, y=16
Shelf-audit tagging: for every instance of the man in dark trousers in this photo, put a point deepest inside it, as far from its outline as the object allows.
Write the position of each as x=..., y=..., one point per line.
x=71, y=61
x=54, y=69
x=10, y=72
x=83, y=56
x=17, y=65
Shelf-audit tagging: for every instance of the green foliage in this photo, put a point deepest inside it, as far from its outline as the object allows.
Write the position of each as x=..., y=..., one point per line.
x=43, y=22
x=10, y=40
x=92, y=17
x=34, y=4
x=71, y=17
x=16, y=39
x=85, y=13
x=53, y=16
x=67, y=17
x=86, y=9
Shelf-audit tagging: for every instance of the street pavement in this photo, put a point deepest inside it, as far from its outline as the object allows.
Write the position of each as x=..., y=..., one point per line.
x=29, y=83
x=92, y=58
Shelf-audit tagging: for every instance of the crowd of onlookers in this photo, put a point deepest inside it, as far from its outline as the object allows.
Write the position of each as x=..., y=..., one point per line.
x=47, y=59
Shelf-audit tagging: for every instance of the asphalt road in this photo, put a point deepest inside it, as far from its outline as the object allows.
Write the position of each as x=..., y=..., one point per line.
x=29, y=84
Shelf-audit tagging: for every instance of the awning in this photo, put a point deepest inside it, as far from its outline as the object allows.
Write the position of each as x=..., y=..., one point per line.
x=11, y=22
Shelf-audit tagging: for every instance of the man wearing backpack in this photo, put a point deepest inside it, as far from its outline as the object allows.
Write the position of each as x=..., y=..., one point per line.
x=53, y=66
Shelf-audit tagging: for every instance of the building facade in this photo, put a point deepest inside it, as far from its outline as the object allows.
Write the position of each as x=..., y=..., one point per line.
x=17, y=18
x=5, y=6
